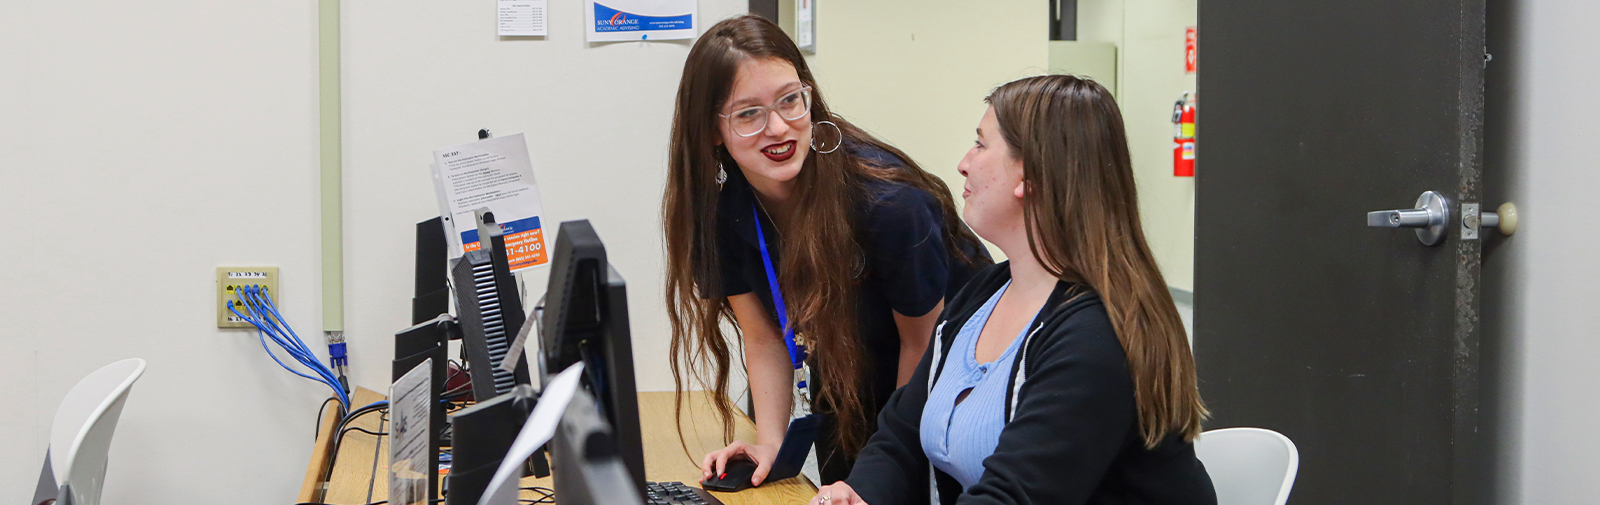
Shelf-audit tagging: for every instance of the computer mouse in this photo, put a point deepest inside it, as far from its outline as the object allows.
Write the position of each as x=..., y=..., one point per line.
x=735, y=476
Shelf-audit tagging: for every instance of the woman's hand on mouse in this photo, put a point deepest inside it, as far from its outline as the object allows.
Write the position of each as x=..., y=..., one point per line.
x=716, y=463
x=837, y=493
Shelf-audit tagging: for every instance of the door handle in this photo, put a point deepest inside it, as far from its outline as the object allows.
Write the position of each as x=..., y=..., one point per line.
x=1429, y=218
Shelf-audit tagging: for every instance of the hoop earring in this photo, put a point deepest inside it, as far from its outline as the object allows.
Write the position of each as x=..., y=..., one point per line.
x=722, y=175
x=814, y=137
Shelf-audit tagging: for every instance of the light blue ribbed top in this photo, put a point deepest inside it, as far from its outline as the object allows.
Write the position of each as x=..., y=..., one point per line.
x=978, y=419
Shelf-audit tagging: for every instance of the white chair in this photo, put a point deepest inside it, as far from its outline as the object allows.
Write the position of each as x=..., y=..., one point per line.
x=1249, y=466
x=80, y=436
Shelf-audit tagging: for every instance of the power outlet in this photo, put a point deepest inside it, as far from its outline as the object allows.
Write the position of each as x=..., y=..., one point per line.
x=230, y=279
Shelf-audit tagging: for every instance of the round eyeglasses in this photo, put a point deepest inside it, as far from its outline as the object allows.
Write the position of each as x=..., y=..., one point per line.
x=749, y=121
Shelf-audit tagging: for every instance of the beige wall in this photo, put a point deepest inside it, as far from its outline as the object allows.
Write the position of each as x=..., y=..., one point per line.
x=915, y=72
x=1152, y=78
x=1094, y=60
x=1149, y=35
x=919, y=83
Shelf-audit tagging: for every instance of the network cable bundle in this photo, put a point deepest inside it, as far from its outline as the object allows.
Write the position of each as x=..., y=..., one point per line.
x=263, y=314
x=260, y=312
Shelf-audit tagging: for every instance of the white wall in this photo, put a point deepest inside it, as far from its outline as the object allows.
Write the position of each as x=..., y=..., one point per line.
x=135, y=131
x=423, y=75
x=147, y=143
x=1542, y=285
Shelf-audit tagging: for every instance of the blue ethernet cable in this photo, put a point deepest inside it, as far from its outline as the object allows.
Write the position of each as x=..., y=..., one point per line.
x=338, y=359
x=283, y=336
x=262, y=334
x=301, y=354
x=287, y=335
x=263, y=337
x=265, y=329
x=266, y=301
x=274, y=329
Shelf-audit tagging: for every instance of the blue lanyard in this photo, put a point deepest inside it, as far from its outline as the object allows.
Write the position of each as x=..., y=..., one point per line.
x=797, y=351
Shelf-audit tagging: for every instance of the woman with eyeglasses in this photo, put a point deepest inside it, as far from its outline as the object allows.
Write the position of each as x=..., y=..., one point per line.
x=829, y=251
x=1063, y=375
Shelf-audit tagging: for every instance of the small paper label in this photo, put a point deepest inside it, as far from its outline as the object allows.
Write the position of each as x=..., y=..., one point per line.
x=409, y=416
x=522, y=18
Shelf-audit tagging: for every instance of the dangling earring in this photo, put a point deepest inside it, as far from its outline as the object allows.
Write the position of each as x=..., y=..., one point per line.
x=722, y=175
x=835, y=129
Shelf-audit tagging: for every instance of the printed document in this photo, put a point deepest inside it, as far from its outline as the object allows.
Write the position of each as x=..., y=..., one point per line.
x=496, y=174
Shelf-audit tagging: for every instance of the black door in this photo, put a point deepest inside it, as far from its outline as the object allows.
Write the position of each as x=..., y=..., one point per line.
x=1358, y=343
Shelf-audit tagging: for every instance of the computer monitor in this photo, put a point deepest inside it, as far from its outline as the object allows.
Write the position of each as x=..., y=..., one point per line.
x=586, y=319
x=589, y=466
x=490, y=312
x=431, y=296
x=484, y=433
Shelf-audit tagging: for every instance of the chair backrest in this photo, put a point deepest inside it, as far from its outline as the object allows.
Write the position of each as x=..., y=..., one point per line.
x=80, y=436
x=1249, y=466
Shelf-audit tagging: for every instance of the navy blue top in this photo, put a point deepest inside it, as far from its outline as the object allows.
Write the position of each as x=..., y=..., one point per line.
x=907, y=269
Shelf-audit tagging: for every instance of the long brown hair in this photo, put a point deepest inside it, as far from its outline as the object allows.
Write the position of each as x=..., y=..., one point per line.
x=1082, y=217
x=817, y=251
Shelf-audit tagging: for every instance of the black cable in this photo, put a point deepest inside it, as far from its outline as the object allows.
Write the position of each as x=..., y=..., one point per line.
x=338, y=439
x=458, y=390
x=383, y=502
x=549, y=495
x=363, y=430
x=360, y=412
x=320, y=410
x=373, y=476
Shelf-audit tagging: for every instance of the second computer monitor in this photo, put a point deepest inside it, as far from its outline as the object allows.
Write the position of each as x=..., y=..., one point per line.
x=586, y=319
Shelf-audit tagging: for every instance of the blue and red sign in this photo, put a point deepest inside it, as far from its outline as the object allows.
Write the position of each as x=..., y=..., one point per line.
x=607, y=19
x=524, y=242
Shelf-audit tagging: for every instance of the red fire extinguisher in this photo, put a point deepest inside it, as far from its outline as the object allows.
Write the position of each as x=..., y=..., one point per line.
x=1183, y=137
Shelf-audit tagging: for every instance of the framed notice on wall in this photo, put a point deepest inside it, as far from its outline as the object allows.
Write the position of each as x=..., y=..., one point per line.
x=805, y=25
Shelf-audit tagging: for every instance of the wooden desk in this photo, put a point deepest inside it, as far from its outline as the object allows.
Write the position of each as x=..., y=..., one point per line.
x=351, y=480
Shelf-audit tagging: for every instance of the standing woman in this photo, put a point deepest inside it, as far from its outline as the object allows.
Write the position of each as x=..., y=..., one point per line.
x=787, y=220
x=1062, y=376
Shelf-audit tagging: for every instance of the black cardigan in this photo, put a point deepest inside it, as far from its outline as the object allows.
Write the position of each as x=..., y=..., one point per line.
x=1071, y=434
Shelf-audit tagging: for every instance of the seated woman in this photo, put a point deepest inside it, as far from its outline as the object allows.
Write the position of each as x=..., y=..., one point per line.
x=1062, y=376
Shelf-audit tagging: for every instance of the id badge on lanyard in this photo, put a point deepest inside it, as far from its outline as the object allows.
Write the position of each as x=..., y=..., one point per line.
x=791, y=340
x=802, y=429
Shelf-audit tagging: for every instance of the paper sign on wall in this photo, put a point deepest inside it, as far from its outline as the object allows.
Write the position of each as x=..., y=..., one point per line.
x=498, y=174
x=805, y=30
x=522, y=18
x=622, y=20
x=1188, y=50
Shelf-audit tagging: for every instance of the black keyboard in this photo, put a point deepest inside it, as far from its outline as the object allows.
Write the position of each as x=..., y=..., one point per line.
x=677, y=493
